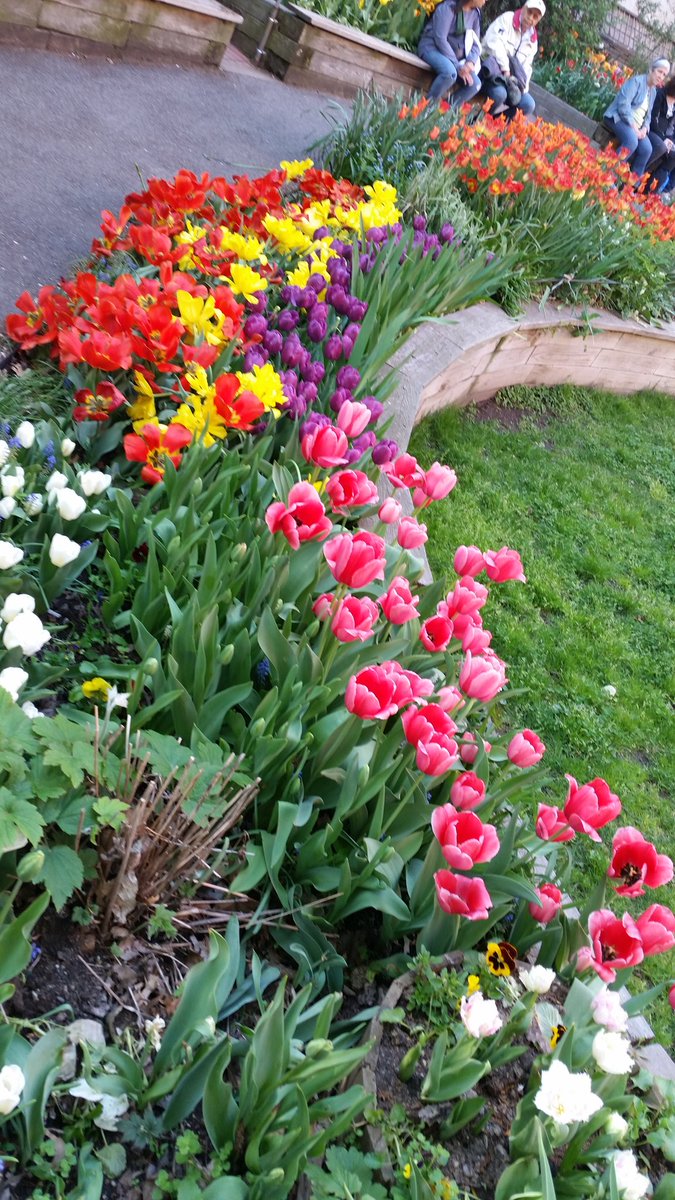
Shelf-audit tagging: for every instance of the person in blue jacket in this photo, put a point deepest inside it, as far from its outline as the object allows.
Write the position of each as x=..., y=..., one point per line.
x=450, y=44
x=629, y=114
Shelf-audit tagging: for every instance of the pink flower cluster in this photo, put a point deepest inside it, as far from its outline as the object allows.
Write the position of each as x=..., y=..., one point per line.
x=618, y=942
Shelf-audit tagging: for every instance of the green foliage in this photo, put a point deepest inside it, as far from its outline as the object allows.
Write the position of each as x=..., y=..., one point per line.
x=347, y=1172
x=577, y=85
x=37, y=394
x=567, y=30
x=433, y=192
x=398, y=22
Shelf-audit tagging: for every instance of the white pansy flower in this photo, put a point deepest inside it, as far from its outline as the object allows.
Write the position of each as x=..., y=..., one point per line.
x=154, y=1030
x=608, y=1010
x=611, y=1052
x=25, y=434
x=479, y=1016
x=616, y=1126
x=7, y=506
x=537, y=979
x=70, y=505
x=631, y=1183
x=566, y=1097
x=56, y=481
x=31, y=711
x=62, y=550
x=17, y=602
x=67, y=447
x=11, y=484
x=94, y=482
x=9, y=555
x=12, y=680
x=26, y=632
x=33, y=504
x=4, y=452
x=12, y=1083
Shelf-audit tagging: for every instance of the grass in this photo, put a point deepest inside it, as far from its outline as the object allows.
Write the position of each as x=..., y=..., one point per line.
x=36, y=394
x=581, y=483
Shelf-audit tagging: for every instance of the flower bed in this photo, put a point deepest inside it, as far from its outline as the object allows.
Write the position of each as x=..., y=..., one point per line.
x=589, y=85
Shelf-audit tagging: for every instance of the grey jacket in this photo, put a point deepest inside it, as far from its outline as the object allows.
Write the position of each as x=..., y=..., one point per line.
x=440, y=32
x=629, y=98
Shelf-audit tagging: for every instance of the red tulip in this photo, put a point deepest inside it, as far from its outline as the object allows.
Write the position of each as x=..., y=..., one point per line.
x=353, y=418
x=419, y=724
x=459, y=894
x=526, y=749
x=390, y=511
x=637, y=864
x=350, y=489
x=325, y=446
x=450, y=698
x=464, y=839
x=323, y=605
x=370, y=694
x=657, y=929
x=615, y=944
x=468, y=791
x=436, y=484
x=404, y=471
x=410, y=534
x=481, y=677
x=435, y=634
x=466, y=597
x=550, y=903
x=468, y=751
x=356, y=559
x=590, y=807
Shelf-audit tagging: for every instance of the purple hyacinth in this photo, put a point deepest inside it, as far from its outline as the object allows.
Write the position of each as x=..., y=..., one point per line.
x=357, y=310
x=419, y=222
x=338, y=298
x=316, y=282
x=314, y=372
x=308, y=391
x=307, y=298
x=259, y=302
x=447, y=232
x=295, y=407
x=289, y=294
x=365, y=442
x=376, y=406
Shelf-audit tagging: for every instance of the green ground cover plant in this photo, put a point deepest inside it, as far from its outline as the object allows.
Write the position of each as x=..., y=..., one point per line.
x=585, y=489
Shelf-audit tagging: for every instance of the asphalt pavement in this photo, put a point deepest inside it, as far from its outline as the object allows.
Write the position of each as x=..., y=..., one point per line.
x=78, y=133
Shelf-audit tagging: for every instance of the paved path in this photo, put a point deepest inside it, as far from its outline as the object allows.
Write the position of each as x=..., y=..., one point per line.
x=73, y=130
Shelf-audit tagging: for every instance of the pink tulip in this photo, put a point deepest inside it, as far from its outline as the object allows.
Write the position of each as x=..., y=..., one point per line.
x=356, y=559
x=355, y=619
x=410, y=534
x=469, y=560
x=657, y=929
x=353, y=418
x=481, y=678
x=408, y=684
x=323, y=605
x=526, y=749
x=370, y=694
x=302, y=519
x=350, y=489
x=459, y=894
x=419, y=724
x=463, y=837
x=590, y=807
x=468, y=791
x=404, y=471
x=435, y=634
x=671, y=997
x=325, y=446
x=437, y=754
x=450, y=698
x=467, y=597
x=436, y=484
x=615, y=944
x=502, y=565
x=637, y=864
x=550, y=903
x=471, y=633
x=468, y=751
x=390, y=511
x=552, y=825
x=398, y=603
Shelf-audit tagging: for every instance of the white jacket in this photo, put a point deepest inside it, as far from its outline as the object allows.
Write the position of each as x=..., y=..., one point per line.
x=504, y=37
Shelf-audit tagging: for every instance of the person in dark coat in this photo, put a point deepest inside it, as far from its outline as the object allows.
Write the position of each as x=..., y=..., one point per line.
x=450, y=44
x=662, y=137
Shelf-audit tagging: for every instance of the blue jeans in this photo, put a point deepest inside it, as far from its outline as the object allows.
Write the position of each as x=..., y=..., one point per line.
x=638, y=150
x=446, y=77
x=497, y=93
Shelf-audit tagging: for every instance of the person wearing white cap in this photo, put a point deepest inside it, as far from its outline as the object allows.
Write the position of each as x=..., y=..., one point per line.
x=509, y=46
x=630, y=113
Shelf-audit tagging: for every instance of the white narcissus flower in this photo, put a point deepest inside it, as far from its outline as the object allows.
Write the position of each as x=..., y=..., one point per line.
x=25, y=434
x=479, y=1016
x=16, y=602
x=25, y=632
x=67, y=447
x=4, y=452
x=116, y=699
x=154, y=1030
x=616, y=1126
x=62, y=551
x=631, y=1183
x=31, y=711
x=608, y=1010
x=33, y=504
x=7, y=506
x=11, y=484
x=94, y=482
x=12, y=680
x=56, y=481
x=9, y=555
x=611, y=1052
x=70, y=505
x=566, y=1097
x=537, y=979
x=12, y=1083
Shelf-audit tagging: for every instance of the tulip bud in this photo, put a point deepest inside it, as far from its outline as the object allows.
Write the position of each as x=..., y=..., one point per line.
x=318, y=1046
x=227, y=654
x=363, y=776
x=276, y=1175
x=151, y=666
x=30, y=866
x=197, y=486
x=409, y=1062
x=257, y=727
x=174, y=545
x=239, y=552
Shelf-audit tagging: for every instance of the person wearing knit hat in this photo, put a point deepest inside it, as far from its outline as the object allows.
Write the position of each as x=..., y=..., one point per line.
x=629, y=115
x=509, y=46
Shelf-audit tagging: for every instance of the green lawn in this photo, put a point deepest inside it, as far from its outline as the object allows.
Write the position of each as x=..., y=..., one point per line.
x=582, y=484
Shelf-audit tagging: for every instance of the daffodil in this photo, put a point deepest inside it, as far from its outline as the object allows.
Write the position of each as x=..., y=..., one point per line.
x=245, y=282
x=315, y=216
x=264, y=383
x=248, y=248
x=202, y=418
x=295, y=168
x=143, y=411
x=290, y=237
x=201, y=317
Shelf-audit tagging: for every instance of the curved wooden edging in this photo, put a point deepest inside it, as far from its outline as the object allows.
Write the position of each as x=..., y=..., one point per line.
x=480, y=350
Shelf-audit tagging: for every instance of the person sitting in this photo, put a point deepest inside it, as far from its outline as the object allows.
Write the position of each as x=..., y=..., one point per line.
x=450, y=44
x=661, y=166
x=509, y=47
x=629, y=115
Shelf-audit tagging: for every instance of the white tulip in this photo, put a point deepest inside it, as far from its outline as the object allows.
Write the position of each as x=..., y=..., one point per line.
x=12, y=680
x=30, y=710
x=94, y=482
x=7, y=506
x=70, y=505
x=56, y=481
x=4, y=452
x=11, y=484
x=67, y=447
x=480, y=1017
x=26, y=632
x=566, y=1097
x=16, y=602
x=612, y=1053
x=537, y=979
x=33, y=504
x=25, y=434
x=12, y=1083
x=9, y=555
x=616, y=1126
x=62, y=551
x=631, y=1183
x=608, y=1010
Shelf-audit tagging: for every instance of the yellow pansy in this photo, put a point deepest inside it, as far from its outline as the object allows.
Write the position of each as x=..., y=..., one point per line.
x=265, y=384
x=289, y=235
x=244, y=281
x=294, y=169
x=249, y=248
x=96, y=688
